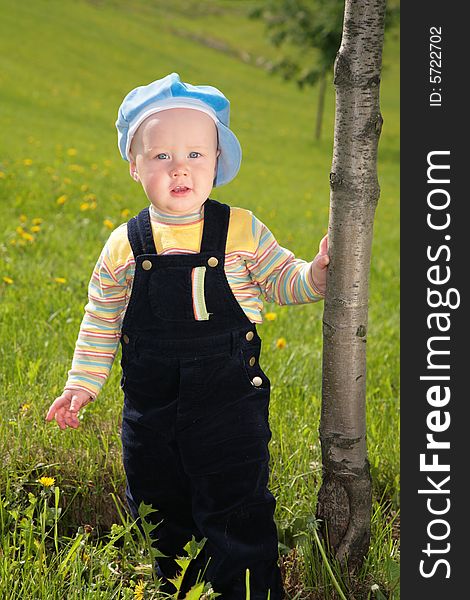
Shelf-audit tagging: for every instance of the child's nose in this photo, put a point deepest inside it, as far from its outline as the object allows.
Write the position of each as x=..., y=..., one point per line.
x=179, y=168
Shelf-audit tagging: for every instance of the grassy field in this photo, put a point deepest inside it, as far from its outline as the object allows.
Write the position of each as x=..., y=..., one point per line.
x=64, y=69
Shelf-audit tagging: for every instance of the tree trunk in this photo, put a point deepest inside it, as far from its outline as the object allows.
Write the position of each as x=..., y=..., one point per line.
x=344, y=501
x=320, y=105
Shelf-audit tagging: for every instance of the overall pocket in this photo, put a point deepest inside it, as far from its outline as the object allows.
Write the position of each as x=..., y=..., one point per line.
x=169, y=292
x=178, y=293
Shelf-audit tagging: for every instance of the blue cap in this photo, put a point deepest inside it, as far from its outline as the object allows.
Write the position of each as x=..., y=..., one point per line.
x=170, y=92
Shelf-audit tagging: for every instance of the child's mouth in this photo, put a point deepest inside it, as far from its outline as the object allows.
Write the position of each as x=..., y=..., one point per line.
x=180, y=190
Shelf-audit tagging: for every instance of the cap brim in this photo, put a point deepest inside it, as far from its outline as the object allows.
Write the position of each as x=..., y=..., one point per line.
x=230, y=157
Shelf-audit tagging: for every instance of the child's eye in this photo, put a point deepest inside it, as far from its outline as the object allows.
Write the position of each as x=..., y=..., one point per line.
x=162, y=155
x=194, y=154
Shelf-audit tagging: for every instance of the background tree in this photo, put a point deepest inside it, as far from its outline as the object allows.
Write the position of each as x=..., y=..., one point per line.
x=309, y=25
x=344, y=501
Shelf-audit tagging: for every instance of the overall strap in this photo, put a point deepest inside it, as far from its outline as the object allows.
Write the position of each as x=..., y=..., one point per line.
x=216, y=221
x=139, y=233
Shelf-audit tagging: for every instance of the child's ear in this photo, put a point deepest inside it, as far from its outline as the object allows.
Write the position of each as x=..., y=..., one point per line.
x=133, y=171
x=216, y=162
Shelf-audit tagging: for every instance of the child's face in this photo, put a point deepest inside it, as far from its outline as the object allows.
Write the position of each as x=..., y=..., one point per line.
x=175, y=147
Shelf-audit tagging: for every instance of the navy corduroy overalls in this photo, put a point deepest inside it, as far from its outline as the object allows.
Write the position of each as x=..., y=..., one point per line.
x=195, y=426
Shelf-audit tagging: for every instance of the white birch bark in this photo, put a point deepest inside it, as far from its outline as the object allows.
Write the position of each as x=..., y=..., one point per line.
x=344, y=501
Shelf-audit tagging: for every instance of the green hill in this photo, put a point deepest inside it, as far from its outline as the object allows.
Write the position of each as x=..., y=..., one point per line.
x=64, y=69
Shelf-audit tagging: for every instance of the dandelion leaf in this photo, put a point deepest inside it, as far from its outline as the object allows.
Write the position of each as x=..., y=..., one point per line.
x=193, y=547
x=195, y=592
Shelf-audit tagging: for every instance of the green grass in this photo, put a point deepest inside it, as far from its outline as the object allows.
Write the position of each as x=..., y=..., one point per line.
x=64, y=69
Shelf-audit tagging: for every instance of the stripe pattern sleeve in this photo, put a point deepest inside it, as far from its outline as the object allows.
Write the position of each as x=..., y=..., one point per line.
x=100, y=331
x=282, y=278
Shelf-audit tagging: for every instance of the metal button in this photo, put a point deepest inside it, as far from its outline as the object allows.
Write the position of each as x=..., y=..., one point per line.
x=212, y=262
x=252, y=361
x=125, y=338
x=146, y=265
x=257, y=381
x=249, y=336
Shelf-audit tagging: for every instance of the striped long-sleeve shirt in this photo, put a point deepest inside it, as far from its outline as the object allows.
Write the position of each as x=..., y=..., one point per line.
x=255, y=266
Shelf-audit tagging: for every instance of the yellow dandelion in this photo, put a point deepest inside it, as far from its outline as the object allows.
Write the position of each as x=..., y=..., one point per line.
x=46, y=481
x=35, y=229
x=125, y=212
x=19, y=230
x=84, y=188
x=67, y=180
x=71, y=152
x=84, y=206
x=76, y=168
x=281, y=343
x=93, y=205
x=37, y=221
x=270, y=316
x=88, y=197
x=25, y=407
x=139, y=590
x=60, y=280
x=2, y=175
x=27, y=162
x=23, y=218
x=7, y=279
x=109, y=224
x=27, y=236
x=62, y=199
x=13, y=242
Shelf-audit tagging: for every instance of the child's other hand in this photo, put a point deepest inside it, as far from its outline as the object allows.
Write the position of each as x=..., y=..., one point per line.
x=65, y=408
x=320, y=265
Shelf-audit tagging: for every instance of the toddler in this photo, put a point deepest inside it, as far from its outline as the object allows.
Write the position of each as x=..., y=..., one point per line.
x=179, y=287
